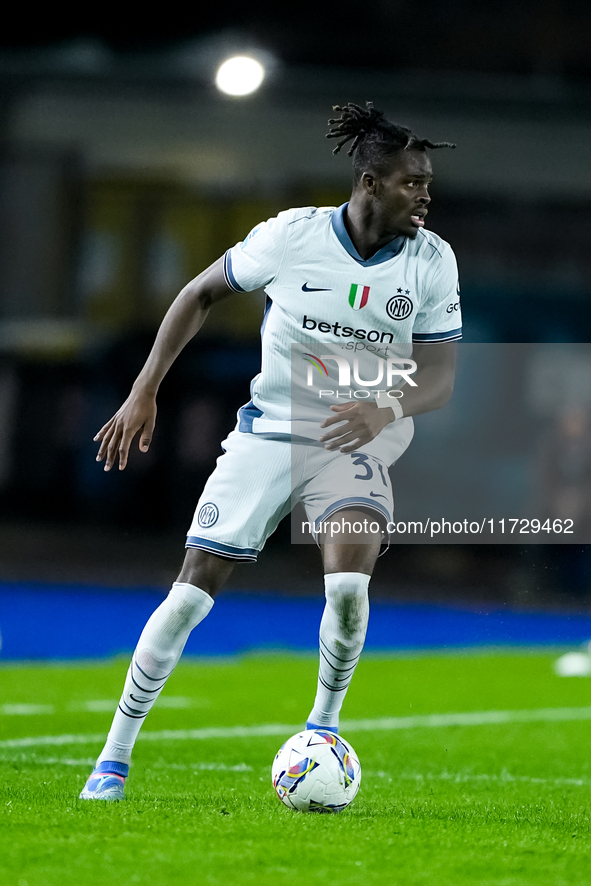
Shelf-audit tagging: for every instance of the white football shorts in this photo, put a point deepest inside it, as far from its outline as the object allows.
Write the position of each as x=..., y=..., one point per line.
x=259, y=479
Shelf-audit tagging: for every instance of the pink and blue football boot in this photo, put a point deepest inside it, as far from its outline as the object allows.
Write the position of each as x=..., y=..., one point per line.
x=106, y=782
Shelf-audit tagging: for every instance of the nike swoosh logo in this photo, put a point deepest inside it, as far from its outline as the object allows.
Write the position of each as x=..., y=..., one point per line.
x=306, y=288
x=376, y=495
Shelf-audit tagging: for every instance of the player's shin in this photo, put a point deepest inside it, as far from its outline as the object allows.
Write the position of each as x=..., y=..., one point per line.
x=342, y=635
x=158, y=650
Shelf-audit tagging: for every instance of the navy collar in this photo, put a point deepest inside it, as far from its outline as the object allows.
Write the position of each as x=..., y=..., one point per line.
x=384, y=254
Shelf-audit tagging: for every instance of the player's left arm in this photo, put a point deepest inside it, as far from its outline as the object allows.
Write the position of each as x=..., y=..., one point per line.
x=356, y=424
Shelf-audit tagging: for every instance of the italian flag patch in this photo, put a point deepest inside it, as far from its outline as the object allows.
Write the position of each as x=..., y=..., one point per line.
x=358, y=296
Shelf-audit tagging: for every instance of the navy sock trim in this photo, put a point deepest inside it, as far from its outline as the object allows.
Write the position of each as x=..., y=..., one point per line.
x=111, y=766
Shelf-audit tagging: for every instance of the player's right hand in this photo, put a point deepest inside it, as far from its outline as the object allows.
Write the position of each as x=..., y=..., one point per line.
x=138, y=413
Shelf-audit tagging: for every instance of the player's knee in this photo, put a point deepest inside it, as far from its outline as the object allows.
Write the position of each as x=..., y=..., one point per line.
x=185, y=605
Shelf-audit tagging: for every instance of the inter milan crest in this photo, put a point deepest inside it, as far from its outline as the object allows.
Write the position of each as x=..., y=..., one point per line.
x=400, y=306
x=208, y=514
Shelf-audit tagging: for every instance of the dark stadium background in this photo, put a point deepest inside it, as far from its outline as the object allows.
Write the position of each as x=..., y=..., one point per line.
x=124, y=172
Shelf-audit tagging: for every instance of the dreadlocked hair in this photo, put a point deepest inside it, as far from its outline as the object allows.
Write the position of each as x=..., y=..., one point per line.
x=374, y=138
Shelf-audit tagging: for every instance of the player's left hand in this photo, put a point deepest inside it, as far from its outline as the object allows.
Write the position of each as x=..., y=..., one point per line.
x=362, y=423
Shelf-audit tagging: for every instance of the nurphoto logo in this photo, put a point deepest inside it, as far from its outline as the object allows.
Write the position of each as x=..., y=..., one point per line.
x=399, y=368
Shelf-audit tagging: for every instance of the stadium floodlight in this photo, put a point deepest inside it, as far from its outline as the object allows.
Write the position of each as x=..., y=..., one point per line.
x=240, y=75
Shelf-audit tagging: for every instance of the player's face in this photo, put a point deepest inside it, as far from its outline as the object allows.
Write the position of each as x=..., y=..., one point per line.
x=403, y=194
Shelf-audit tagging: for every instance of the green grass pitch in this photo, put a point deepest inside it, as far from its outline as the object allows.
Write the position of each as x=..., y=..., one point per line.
x=445, y=805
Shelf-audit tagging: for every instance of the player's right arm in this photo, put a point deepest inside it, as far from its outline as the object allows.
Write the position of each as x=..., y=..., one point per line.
x=183, y=320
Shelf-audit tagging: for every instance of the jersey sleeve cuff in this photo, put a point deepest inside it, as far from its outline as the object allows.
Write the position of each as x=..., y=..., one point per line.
x=229, y=273
x=425, y=338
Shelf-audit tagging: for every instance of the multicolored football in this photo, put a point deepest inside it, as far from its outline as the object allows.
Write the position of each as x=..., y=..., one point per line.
x=316, y=771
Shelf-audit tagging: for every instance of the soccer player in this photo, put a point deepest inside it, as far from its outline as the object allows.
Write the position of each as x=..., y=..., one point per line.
x=368, y=271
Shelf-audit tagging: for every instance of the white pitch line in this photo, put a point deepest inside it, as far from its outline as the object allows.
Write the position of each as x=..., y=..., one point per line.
x=89, y=761
x=109, y=705
x=26, y=710
x=457, y=777
x=52, y=761
x=466, y=777
x=51, y=740
x=421, y=721
x=211, y=767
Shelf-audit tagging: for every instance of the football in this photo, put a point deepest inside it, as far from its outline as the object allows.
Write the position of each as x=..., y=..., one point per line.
x=316, y=771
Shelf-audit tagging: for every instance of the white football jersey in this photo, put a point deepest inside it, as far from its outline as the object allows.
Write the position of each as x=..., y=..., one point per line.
x=320, y=291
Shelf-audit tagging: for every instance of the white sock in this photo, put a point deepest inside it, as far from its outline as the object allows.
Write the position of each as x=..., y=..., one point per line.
x=158, y=650
x=342, y=635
